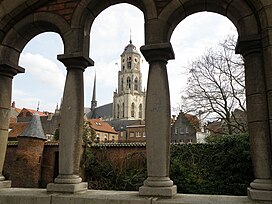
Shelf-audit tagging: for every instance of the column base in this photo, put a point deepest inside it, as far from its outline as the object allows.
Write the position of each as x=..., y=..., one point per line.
x=261, y=195
x=5, y=184
x=158, y=191
x=67, y=188
x=260, y=189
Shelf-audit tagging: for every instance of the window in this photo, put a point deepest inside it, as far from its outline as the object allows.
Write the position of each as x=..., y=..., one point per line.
x=181, y=131
x=118, y=111
x=138, y=134
x=140, y=111
x=132, y=110
x=122, y=84
x=97, y=138
x=128, y=83
x=186, y=130
x=144, y=134
x=131, y=134
x=136, y=84
x=176, y=131
x=129, y=63
x=123, y=109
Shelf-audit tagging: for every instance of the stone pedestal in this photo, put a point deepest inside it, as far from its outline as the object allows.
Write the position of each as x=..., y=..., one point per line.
x=5, y=183
x=67, y=188
x=71, y=127
x=158, y=182
x=260, y=189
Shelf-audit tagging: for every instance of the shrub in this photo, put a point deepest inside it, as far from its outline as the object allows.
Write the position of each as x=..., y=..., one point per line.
x=222, y=166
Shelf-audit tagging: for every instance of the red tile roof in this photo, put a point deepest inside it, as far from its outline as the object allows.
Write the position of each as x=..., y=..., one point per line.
x=99, y=125
x=32, y=112
x=193, y=120
x=17, y=129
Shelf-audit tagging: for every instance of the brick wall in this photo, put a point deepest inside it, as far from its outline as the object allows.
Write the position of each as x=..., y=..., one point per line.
x=25, y=169
x=117, y=153
x=63, y=8
x=31, y=163
x=49, y=167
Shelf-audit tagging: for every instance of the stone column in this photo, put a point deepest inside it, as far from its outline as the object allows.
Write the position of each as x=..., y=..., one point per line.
x=70, y=141
x=7, y=72
x=158, y=117
x=257, y=115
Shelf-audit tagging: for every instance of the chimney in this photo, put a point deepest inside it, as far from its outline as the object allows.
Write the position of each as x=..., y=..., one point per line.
x=13, y=104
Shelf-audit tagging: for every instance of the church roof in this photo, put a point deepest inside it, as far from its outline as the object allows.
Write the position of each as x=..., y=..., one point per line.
x=120, y=125
x=130, y=48
x=34, y=128
x=101, y=111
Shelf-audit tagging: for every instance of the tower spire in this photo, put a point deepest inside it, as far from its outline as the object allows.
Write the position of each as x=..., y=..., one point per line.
x=94, y=102
x=130, y=41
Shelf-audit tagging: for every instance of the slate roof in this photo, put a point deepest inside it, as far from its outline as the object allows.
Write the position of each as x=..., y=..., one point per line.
x=99, y=125
x=130, y=48
x=34, y=129
x=101, y=111
x=120, y=125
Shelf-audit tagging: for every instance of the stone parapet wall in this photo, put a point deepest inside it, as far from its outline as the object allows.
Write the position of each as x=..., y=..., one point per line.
x=39, y=196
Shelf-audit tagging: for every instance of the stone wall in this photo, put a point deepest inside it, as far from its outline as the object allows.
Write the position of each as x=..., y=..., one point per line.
x=29, y=163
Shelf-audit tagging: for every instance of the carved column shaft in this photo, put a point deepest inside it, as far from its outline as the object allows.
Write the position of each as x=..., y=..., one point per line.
x=7, y=72
x=70, y=141
x=158, y=131
x=258, y=123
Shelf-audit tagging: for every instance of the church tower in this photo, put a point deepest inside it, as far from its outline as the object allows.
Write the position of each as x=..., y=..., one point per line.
x=129, y=99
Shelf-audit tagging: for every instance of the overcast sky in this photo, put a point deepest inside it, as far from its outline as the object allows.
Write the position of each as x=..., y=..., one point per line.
x=44, y=78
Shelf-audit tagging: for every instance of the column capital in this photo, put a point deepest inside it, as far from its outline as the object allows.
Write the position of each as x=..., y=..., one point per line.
x=158, y=52
x=75, y=61
x=248, y=45
x=10, y=70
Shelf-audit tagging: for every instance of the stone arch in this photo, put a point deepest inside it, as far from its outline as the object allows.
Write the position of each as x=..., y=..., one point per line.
x=34, y=24
x=240, y=13
x=88, y=10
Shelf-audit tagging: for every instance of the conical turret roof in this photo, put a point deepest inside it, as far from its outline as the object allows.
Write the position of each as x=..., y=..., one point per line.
x=34, y=129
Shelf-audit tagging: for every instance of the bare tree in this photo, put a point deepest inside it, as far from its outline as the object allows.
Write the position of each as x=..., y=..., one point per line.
x=216, y=86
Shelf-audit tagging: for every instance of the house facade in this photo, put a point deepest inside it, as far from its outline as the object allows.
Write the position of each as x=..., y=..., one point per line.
x=104, y=133
x=184, y=129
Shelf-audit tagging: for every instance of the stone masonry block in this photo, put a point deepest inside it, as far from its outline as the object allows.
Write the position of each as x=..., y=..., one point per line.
x=257, y=108
x=101, y=197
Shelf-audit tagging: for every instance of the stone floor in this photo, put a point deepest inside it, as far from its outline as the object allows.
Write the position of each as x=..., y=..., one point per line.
x=40, y=196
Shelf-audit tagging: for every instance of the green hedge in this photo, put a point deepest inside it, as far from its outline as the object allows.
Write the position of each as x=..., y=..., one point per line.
x=222, y=166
